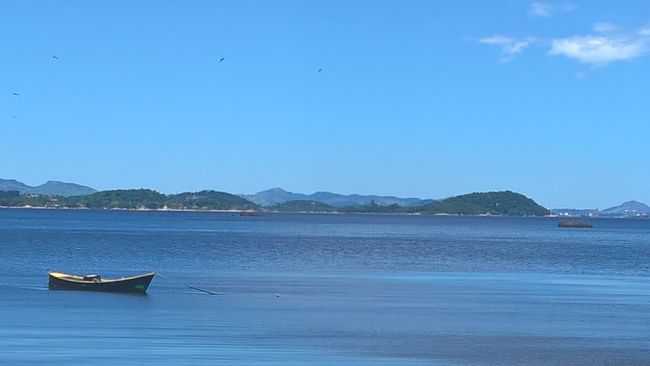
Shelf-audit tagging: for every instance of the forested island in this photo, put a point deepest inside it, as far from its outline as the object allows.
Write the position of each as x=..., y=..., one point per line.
x=504, y=203
x=133, y=199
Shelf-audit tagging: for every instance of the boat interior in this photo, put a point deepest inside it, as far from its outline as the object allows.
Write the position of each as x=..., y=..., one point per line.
x=91, y=278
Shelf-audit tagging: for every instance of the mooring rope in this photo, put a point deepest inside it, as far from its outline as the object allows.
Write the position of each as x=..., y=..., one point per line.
x=193, y=287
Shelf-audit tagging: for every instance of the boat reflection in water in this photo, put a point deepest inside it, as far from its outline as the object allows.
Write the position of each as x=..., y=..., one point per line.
x=133, y=284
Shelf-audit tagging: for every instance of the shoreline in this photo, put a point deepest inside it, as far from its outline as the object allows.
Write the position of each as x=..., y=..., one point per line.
x=253, y=213
x=122, y=209
x=259, y=212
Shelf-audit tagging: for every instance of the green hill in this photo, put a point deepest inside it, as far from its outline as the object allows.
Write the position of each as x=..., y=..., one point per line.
x=150, y=199
x=303, y=206
x=495, y=203
x=208, y=200
x=16, y=199
x=121, y=198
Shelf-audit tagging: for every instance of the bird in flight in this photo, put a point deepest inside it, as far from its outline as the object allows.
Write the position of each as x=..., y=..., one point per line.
x=15, y=94
x=221, y=59
x=320, y=70
x=55, y=57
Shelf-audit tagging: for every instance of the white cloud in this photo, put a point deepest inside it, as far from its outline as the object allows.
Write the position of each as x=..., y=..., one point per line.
x=541, y=9
x=599, y=50
x=509, y=46
x=607, y=43
x=547, y=9
x=605, y=27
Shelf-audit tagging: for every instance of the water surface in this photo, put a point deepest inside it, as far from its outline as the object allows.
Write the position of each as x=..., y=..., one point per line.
x=325, y=289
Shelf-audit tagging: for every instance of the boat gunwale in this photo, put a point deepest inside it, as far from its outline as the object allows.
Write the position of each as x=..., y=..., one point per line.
x=79, y=279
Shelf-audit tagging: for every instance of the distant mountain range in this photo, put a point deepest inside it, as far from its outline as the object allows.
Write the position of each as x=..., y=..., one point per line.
x=276, y=196
x=50, y=188
x=627, y=209
x=504, y=203
x=277, y=199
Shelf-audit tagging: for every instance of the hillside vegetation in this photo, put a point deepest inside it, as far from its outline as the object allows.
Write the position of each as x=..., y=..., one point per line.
x=493, y=203
x=303, y=206
x=212, y=200
x=132, y=199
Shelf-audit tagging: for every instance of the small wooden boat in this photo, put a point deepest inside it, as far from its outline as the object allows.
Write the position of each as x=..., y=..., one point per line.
x=133, y=284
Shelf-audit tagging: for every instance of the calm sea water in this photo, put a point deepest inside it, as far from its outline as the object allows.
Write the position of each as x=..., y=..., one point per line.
x=325, y=290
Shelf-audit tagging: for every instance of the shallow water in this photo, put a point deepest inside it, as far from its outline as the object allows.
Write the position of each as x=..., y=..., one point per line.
x=325, y=289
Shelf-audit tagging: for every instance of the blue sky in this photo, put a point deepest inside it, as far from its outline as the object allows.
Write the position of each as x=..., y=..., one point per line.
x=415, y=98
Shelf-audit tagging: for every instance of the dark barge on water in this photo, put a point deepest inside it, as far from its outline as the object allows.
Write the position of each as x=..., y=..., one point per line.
x=132, y=284
x=575, y=224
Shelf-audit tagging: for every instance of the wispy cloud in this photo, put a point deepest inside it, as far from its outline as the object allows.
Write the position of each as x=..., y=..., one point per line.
x=605, y=27
x=510, y=47
x=599, y=50
x=547, y=9
x=607, y=43
x=645, y=31
x=541, y=9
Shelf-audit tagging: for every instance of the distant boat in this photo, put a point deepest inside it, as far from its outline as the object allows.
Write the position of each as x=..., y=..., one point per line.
x=249, y=213
x=575, y=224
x=133, y=284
